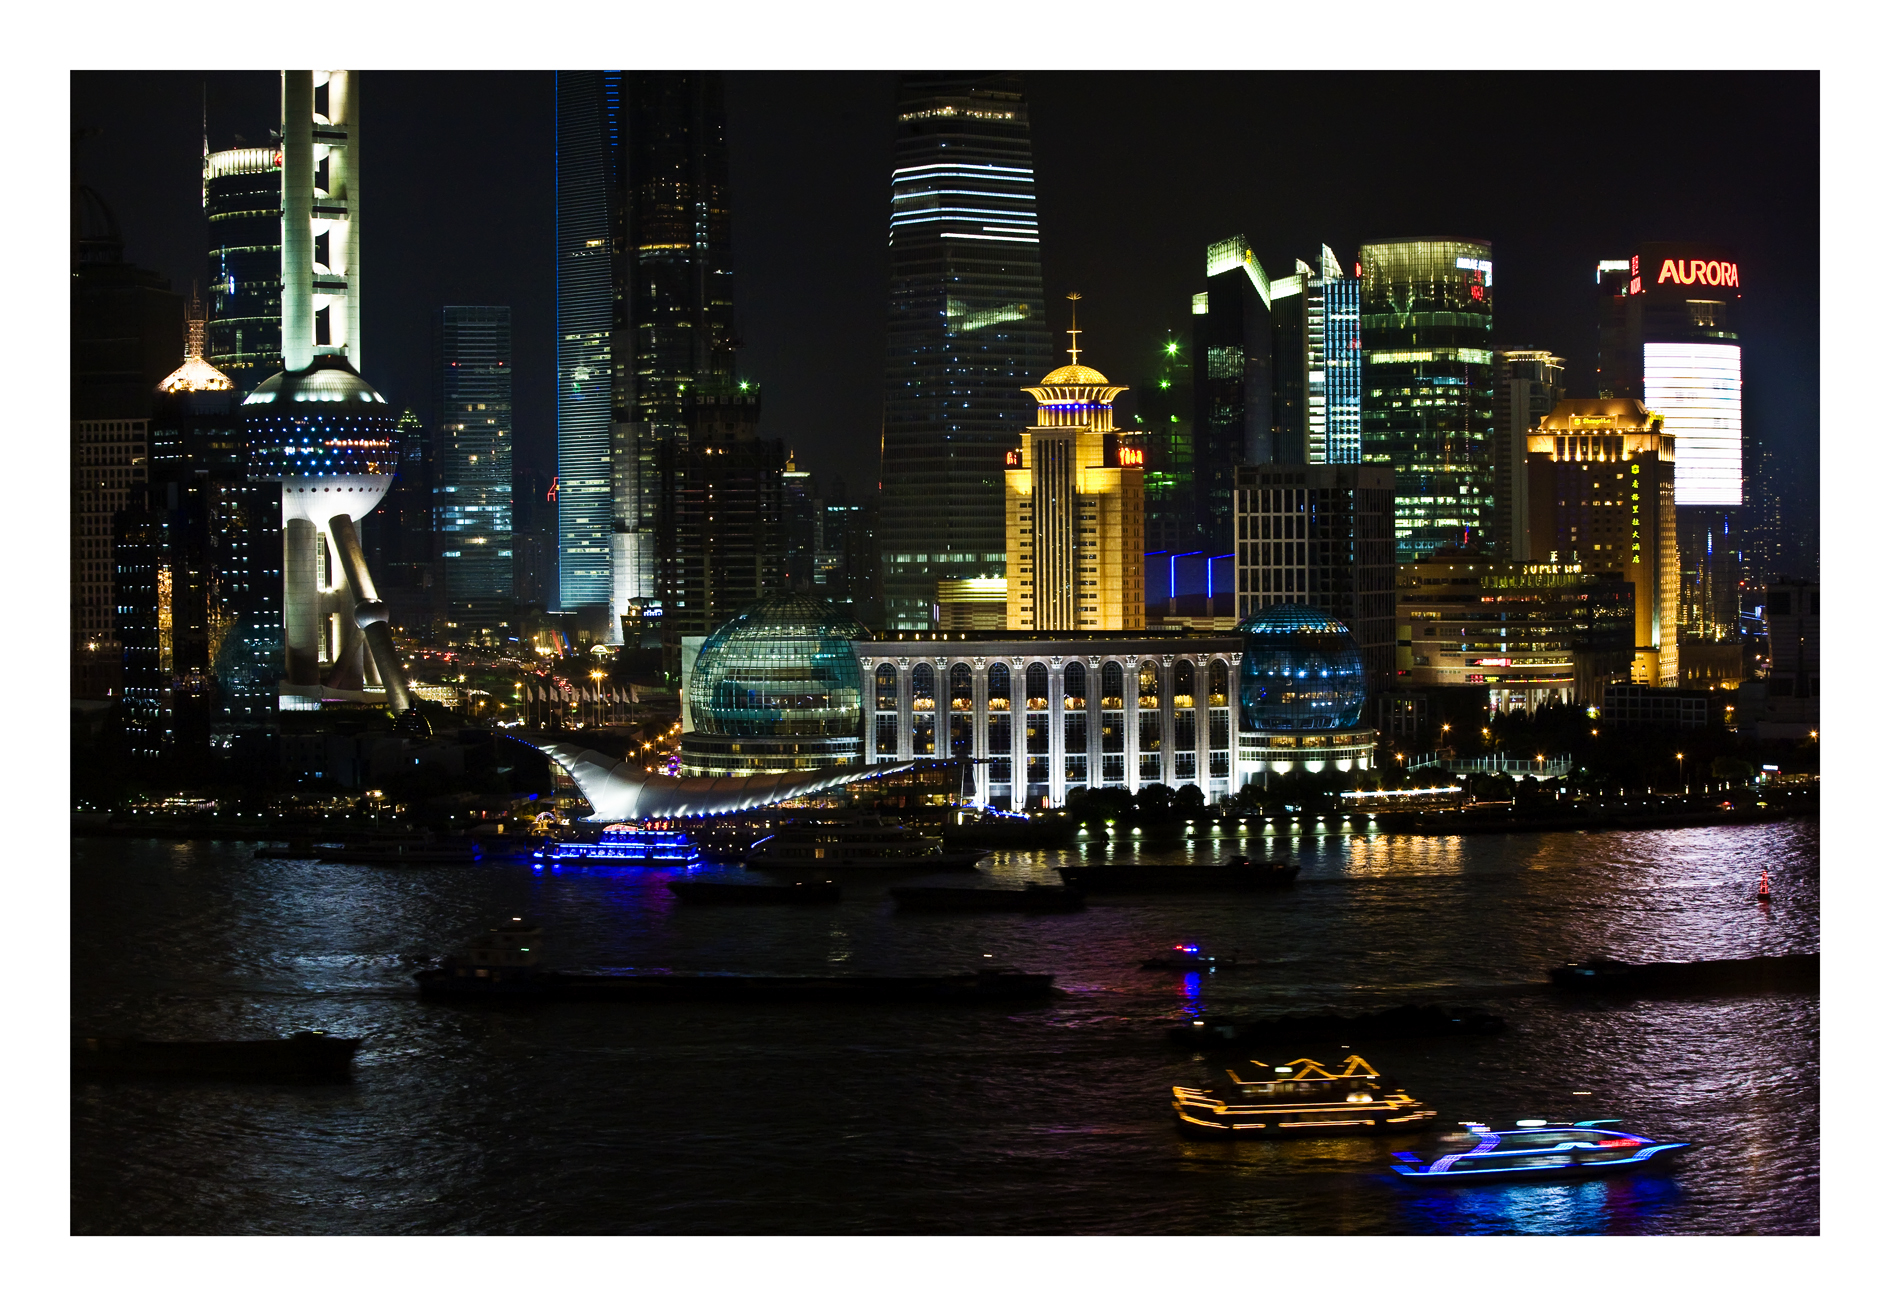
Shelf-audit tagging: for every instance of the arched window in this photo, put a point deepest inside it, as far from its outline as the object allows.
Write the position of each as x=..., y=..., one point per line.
x=886, y=688
x=1147, y=688
x=1075, y=687
x=961, y=687
x=1112, y=686
x=1184, y=684
x=1217, y=683
x=923, y=683
x=1037, y=687
x=999, y=681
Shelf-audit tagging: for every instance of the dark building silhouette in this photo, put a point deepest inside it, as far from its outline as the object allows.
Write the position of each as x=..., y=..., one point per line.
x=965, y=331
x=722, y=542
x=127, y=335
x=1164, y=410
x=645, y=312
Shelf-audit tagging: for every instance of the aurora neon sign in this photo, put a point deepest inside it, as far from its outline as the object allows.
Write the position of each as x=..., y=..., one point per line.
x=1699, y=271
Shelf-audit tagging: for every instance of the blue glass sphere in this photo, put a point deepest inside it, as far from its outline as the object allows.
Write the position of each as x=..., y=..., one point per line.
x=1300, y=670
x=784, y=665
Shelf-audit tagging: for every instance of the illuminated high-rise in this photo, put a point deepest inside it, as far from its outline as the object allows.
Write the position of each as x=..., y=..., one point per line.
x=1428, y=394
x=965, y=332
x=645, y=313
x=1073, y=510
x=1276, y=363
x=1668, y=318
x=1528, y=387
x=1601, y=494
x=472, y=452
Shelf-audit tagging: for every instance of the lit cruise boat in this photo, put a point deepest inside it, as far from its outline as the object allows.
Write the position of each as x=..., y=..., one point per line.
x=1537, y=1150
x=652, y=843
x=857, y=843
x=1302, y=1098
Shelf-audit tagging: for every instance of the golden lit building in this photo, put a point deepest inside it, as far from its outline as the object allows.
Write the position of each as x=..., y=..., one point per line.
x=1601, y=494
x=1073, y=510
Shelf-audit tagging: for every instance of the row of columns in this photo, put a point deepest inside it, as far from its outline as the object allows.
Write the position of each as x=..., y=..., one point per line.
x=1055, y=756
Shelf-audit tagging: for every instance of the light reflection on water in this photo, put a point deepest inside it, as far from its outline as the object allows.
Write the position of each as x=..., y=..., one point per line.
x=1047, y=1119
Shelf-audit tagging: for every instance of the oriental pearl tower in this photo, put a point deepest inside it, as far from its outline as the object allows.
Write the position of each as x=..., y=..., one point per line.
x=318, y=428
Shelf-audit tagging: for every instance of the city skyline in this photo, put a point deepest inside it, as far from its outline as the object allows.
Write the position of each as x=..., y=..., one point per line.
x=812, y=319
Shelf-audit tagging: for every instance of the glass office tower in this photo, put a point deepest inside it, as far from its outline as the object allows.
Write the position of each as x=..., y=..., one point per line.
x=646, y=312
x=242, y=203
x=1669, y=336
x=1342, y=363
x=585, y=306
x=472, y=493
x=1428, y=398
x=965, y=333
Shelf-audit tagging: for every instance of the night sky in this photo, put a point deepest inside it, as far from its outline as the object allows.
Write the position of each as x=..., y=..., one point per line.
x=1136, y=174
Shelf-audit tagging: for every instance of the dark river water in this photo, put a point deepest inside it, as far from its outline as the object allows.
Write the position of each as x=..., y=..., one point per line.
x=1049, y=1119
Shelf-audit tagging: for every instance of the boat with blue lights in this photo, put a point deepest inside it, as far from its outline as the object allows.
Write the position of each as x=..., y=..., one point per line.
x=649, y=843
x=1301, y=1099
x=1536, y=1150
x=858, y=843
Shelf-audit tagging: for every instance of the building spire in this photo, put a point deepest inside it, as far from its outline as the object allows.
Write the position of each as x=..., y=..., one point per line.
x=1074, y=331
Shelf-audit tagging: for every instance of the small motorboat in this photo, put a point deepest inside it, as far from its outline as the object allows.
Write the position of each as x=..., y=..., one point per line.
x=731, y=891
x=1189, y=958
x=1032, y=897
x=1302, y=1098
x=1536, y=1150
x=1765, y=886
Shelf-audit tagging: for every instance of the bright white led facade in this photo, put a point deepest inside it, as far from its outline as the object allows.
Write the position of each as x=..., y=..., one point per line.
x=1696, y=389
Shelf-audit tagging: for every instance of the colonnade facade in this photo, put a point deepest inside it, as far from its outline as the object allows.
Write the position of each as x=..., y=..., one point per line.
x=1045, y=716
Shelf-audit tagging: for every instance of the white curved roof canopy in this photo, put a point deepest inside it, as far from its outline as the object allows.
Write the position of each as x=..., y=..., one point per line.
x=624, y=791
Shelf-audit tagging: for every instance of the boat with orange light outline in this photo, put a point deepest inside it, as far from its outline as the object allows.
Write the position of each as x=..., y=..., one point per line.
x=1302, y=1098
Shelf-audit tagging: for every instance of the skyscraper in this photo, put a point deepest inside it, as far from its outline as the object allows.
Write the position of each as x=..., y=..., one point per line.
x=1073, y=510
x=1427, y=406
x=1528, y=387
x=242, y=202
x=965, y=333
x=585, y=138
x=1668, y=319
x=1164, y=407
x=1601, y=493
x=472, y=492
x=721, y=543
x=645, y=311
x=1276, y=374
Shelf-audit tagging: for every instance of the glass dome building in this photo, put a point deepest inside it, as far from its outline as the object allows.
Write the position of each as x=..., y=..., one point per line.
x=776, y=688
x=1302, y=691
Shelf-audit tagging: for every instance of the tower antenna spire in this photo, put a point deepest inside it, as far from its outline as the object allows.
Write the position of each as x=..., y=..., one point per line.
x=1073, y=296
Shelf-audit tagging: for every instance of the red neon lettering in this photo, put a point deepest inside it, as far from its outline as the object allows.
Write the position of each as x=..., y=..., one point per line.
x=1634, y=265
x=1706, y=272
x=1634, y=286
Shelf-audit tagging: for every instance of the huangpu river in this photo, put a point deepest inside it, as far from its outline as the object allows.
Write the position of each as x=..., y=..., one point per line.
x=1045, y=1119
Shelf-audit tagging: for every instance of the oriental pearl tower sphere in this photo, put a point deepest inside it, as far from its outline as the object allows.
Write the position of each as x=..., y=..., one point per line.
x=328, y=437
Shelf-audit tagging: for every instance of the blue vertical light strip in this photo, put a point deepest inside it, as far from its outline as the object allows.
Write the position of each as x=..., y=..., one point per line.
x=583, y=282
x=1344, y=370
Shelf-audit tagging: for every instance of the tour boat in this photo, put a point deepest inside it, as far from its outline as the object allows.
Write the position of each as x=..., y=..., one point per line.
x=1301, y=1099
x=1538, y=1150
x=650, y=844
x=864, y=843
